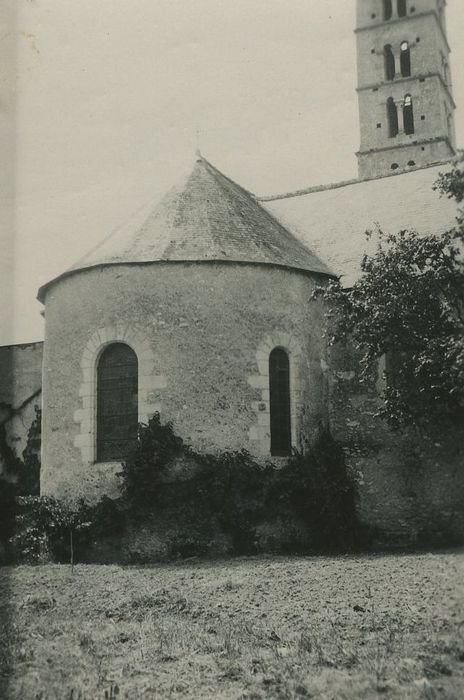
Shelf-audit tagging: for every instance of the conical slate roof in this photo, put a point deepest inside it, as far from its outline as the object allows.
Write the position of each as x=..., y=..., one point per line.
x=206, y=217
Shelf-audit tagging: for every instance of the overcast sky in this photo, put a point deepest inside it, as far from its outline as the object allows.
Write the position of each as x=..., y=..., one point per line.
x=102, y=100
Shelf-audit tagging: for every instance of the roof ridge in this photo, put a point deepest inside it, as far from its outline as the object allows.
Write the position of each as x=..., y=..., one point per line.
x=352, y=181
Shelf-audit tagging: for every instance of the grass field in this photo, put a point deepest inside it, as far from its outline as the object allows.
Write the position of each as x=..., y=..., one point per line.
x=314, y=627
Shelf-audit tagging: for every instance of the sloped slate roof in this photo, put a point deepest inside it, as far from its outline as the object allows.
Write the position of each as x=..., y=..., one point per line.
x=332, y=221
x=206, y=217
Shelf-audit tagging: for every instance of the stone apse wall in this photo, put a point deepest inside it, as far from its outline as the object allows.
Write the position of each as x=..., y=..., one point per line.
x=202, y=334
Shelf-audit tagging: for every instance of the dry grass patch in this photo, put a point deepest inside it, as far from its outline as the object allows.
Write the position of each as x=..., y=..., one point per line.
x=347, y=627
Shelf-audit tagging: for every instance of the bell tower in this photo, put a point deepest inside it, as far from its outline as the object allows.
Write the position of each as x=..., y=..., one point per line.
x=406, y=106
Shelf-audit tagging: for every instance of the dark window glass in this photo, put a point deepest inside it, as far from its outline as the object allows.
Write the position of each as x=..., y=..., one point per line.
x=387, y=9
x=405, y=60
x=401, y=8
x=389, y=60
x=279, y=389
x=117, y=402
x=392, y=115
x=408, y=115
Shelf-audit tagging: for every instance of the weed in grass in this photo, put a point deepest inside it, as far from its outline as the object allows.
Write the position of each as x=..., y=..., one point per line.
x=305, y=643
x=230, y=642
x=231, y=585
x=39, y=603
x=169, y=641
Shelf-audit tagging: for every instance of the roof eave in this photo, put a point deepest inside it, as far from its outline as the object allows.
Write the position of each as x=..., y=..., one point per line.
x=43, y=289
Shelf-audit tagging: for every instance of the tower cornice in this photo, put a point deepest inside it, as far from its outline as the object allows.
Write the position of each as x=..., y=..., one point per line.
x=411, y=78
x=399, y=20
x=416, y=142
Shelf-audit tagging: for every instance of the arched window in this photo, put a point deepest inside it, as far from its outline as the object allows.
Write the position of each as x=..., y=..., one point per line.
x=402, y=9
x=389, y=60
x=405, y=60
x=445, y=70
x=279, y=390
x=387, y=9
x=117, y=402
x=392, y=116
x=449, y=122
x=408, y=115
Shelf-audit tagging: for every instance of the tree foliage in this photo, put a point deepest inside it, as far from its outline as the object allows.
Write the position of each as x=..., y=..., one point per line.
x=451, y=184
x=408, y=306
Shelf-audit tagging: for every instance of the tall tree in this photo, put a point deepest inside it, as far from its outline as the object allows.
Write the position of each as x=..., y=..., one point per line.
x=408, y=306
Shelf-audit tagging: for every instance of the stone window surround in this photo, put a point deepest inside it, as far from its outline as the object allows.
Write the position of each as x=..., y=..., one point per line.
x=85, y=416
x=260, y=431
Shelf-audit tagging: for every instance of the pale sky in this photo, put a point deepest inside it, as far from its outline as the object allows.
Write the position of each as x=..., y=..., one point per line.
x=101, y=101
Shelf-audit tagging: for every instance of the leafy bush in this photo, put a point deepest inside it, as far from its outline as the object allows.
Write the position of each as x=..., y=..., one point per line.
x=234, y=494
x=47, y=528
x=315, y=487
x=157, y=446
x=306, y=505
x=231, y=489
x=106, y=518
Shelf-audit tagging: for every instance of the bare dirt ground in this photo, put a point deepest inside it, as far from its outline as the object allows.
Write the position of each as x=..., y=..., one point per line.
x=277, y=627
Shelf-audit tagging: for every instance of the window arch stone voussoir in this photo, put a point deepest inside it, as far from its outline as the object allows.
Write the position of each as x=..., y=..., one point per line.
x=148, y=382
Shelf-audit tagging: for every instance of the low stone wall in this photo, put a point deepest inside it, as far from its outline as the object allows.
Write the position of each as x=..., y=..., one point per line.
x=164, y=538
x=411, y=489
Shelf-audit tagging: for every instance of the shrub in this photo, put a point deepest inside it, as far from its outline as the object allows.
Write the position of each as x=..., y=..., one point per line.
x=315, y=486
x=157, y=446
x=47, y=527
x=105, y=519
x=306, y=505
x=234, y=494
x=231, y=488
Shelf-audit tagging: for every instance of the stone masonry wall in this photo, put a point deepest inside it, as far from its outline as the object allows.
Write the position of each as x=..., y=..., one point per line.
x=370, y=12
x=411, y=489
x=370, y=164
x=429, y=119
x=203, y=333
x=425, y=39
